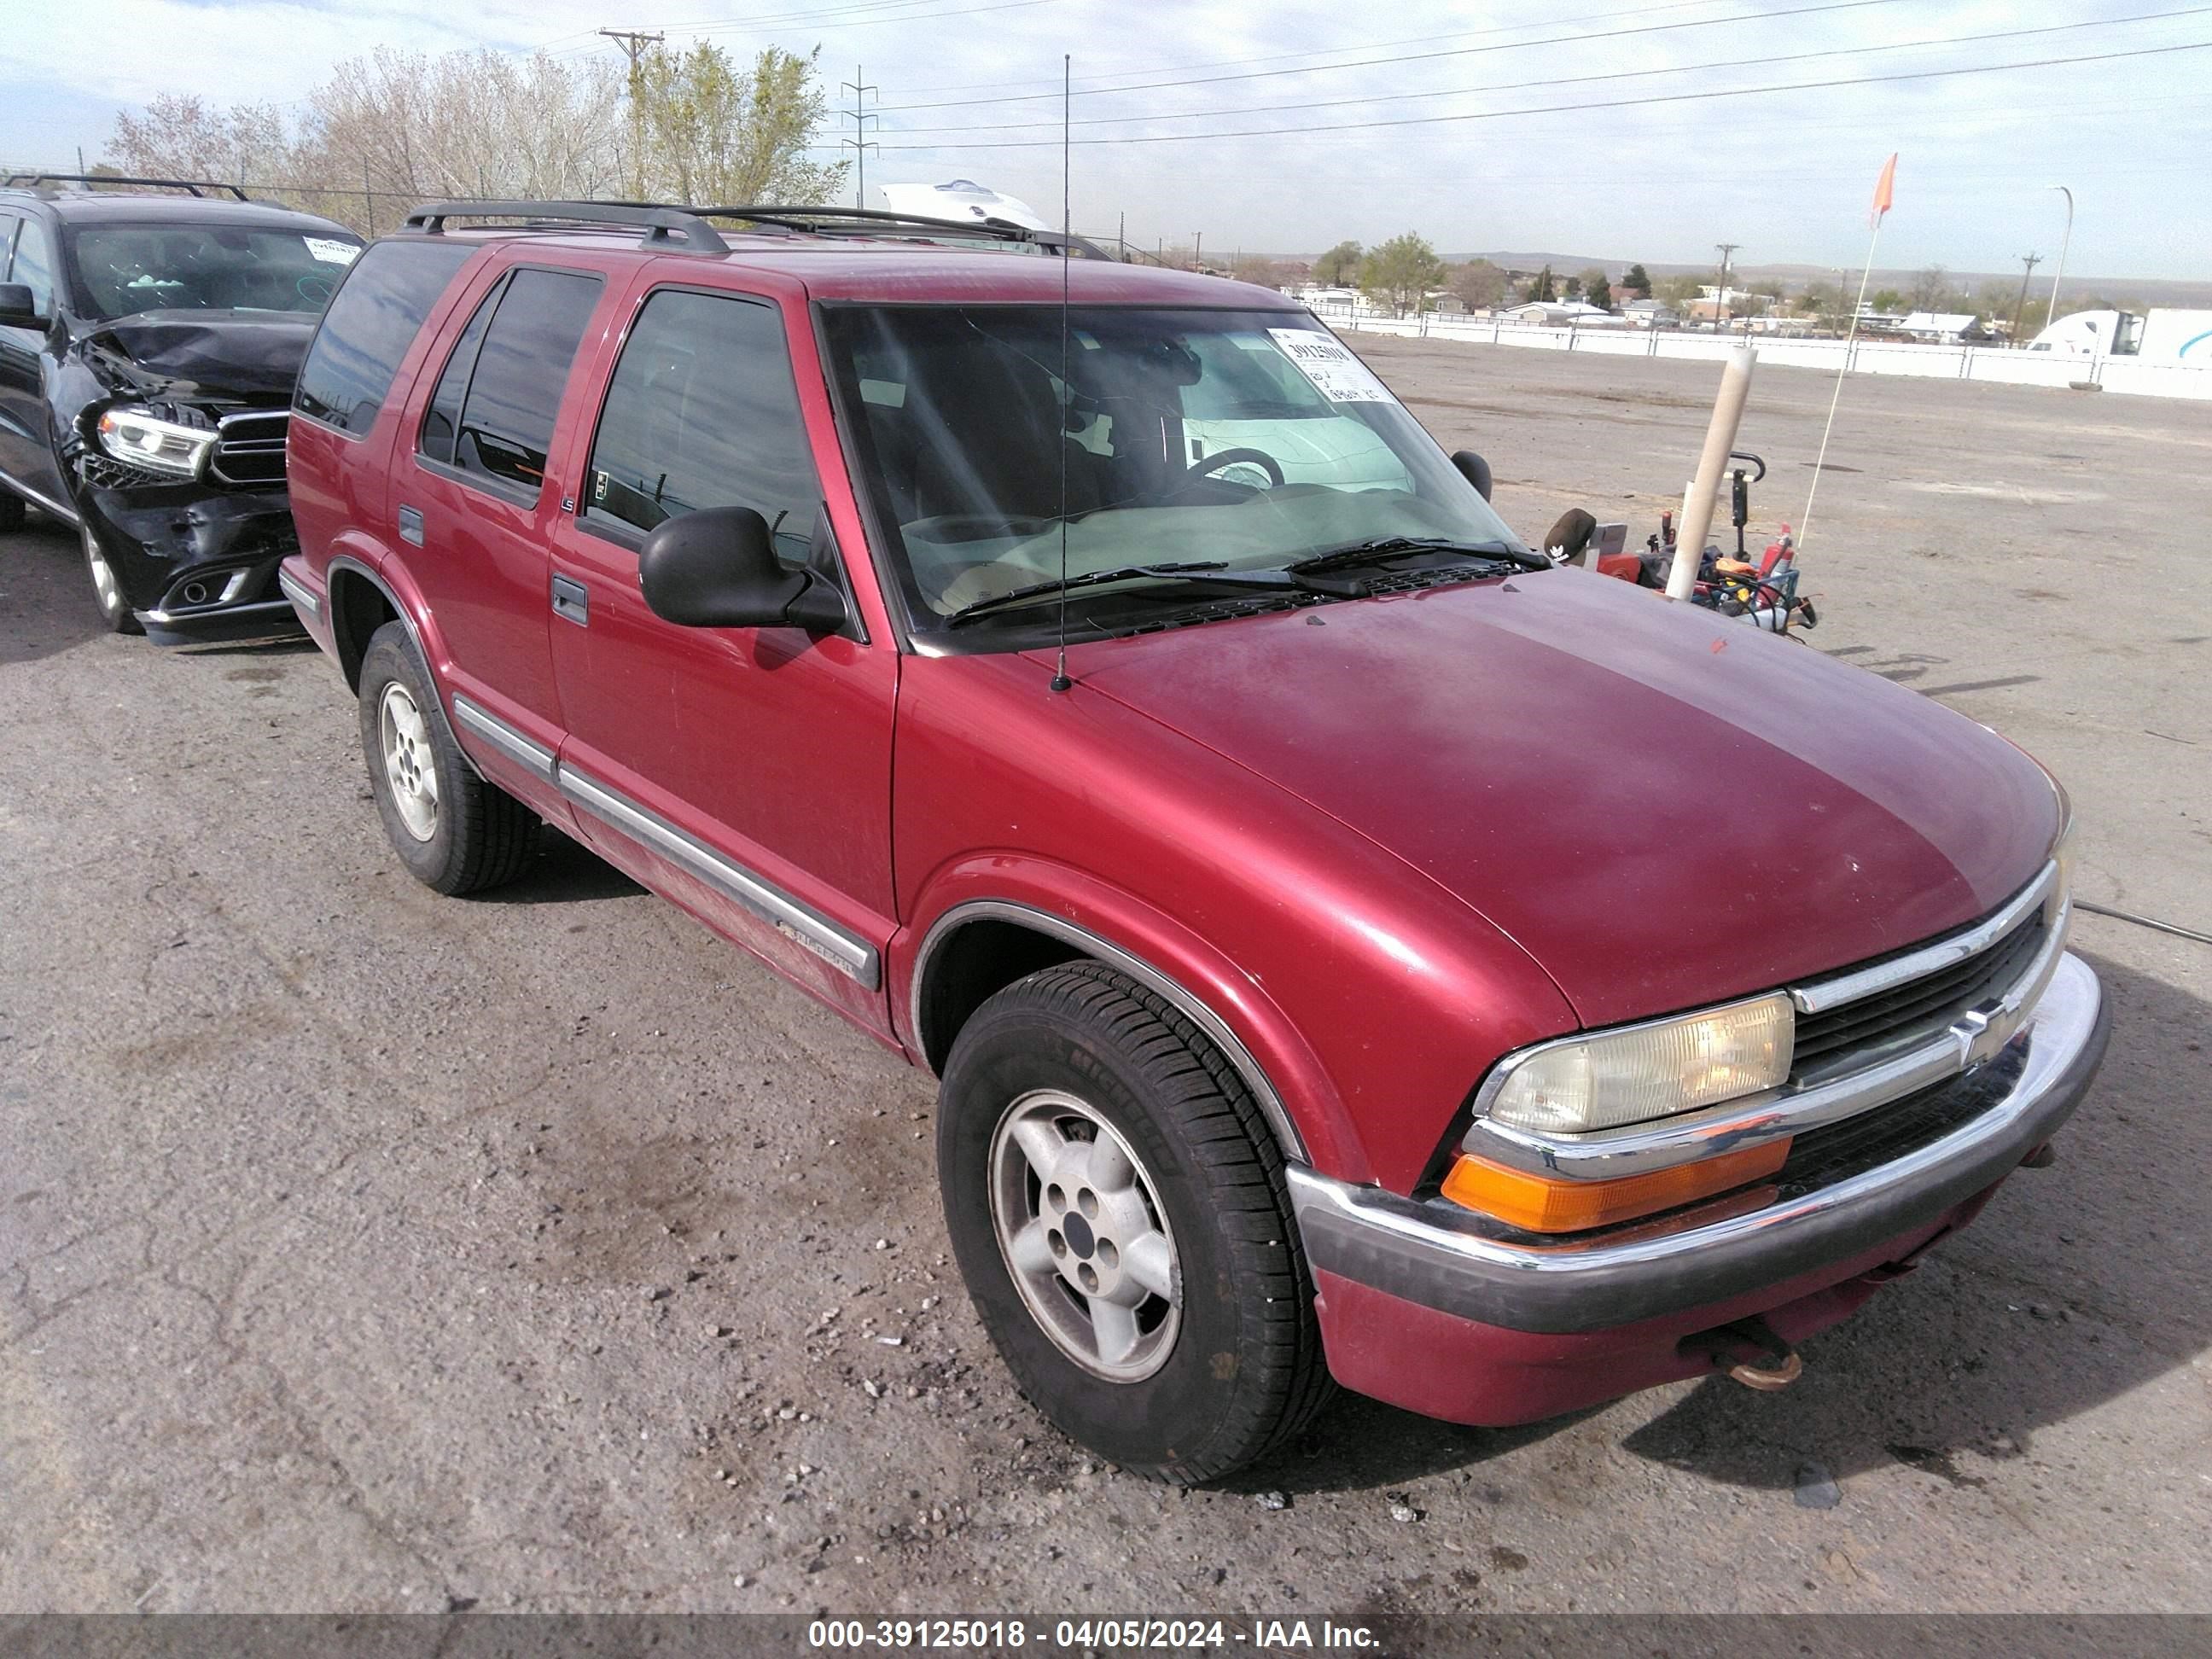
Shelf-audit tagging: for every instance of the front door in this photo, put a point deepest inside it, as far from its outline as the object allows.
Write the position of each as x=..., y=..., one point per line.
x=27, y=446
x=745, y=771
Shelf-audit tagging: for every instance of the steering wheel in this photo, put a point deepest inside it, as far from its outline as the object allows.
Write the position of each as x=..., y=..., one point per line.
x=315, y=289
x=1215, y=462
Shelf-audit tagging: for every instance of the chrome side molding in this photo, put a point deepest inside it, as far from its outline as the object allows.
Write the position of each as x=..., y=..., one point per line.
x=846, y=952
x=525, y=751
x=303, y=598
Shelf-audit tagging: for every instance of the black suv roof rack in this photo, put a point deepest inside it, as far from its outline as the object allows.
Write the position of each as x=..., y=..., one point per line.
x=665, y=222
x=38, y=181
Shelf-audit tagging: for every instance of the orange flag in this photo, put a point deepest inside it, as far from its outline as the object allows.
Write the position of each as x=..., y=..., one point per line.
x=1885, y=189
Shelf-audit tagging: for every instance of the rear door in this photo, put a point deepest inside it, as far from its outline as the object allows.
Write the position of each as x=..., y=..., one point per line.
x=474, y=511
x=745, y=772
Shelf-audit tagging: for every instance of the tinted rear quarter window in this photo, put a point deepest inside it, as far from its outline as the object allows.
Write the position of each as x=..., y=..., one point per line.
x=379, y=310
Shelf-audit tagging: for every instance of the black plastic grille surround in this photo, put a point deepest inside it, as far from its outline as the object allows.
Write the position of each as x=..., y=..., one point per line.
x=1921, y=1005
x=250, y=450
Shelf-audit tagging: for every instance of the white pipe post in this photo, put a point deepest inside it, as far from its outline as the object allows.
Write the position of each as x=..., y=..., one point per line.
x=1705, y=490
x=2051, y=312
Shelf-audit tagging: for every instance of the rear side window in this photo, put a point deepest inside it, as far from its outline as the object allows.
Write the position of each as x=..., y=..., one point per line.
x=379, y=310
x=507, y=388
x=442, y=422
x=703, y=412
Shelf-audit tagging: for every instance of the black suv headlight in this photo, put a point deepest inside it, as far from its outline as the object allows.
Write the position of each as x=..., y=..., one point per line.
x=149, y=441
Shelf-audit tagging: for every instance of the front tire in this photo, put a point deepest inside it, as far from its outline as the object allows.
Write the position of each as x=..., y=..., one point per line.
x=1118, y=1209
x=455, y=833
x=107, y=587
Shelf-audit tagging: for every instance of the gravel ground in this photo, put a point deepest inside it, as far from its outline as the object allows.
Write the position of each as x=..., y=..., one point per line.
x=361, y=1249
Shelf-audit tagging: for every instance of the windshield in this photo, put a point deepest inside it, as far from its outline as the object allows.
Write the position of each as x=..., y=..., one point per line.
x=127, y=269
x=1240, y=440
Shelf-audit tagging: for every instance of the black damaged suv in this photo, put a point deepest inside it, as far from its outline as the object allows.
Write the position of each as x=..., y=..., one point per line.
x=148, y=341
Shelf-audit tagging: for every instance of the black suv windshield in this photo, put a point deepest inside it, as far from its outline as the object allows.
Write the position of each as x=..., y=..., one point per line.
x=1239, y=440
x=127, y=269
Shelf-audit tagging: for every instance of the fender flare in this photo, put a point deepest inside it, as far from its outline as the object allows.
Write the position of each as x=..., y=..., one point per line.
x=1319, y=1135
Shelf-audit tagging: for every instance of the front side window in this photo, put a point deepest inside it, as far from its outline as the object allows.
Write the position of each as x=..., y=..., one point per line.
x=127, y=269
x=703, y=412
x=1222, y=441
x=379, y=309
x=33, y=265
x=514, y=379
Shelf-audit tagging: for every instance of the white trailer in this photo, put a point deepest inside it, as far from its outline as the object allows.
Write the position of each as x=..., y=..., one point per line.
x=2172, y=336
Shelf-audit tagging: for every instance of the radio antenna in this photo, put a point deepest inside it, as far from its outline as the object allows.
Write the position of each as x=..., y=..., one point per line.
x=1060, y=680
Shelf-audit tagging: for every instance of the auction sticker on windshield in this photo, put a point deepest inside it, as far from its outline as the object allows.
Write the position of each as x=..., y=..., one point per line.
x=329, y=252
x=1328, y=363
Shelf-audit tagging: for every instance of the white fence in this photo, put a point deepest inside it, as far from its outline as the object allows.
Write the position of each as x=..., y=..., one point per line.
x=1948, y=363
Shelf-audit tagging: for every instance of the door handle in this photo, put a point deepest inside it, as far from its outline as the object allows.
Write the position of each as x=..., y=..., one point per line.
x=411, y=526
x=572, y=601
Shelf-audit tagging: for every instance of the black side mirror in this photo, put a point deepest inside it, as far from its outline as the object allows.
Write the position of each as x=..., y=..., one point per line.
x=1474, y=470
x=19, y=307
x=717, y=569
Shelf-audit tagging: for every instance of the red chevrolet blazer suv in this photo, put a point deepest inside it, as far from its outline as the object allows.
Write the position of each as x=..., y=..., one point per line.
x=1350, y=947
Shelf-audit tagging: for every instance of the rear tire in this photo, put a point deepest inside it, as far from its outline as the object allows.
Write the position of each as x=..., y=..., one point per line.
x=107, y=587
x=1118, y=1208
x=455, y=833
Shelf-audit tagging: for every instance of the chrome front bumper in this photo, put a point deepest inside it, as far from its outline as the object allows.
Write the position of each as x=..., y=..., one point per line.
x=1435, y=1254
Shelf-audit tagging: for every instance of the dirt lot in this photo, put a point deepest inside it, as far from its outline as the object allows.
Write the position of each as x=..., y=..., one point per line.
x=363, y=1249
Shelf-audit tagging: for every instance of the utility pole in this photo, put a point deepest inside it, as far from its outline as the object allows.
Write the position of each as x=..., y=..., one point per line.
x=634, y=43
x=1198, y=250
x=2030, y=260
x=2051, y=316
x=1720, y=313
x=858, y=144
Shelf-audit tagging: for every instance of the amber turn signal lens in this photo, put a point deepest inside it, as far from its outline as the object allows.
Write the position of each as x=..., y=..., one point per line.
x=1571, y=1206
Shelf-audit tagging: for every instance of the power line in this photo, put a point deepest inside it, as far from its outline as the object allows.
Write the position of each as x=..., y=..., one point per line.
x=1563, y=109
x=1330, y=52
x=1585, y=79
x=633, y=42
x=1424, y=56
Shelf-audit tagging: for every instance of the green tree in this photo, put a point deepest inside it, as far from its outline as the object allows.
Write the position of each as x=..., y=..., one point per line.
x=1541, y=288
x=1886, y=299
x=1637, y=281
x=1596, y=289
x=1479, y=283
x=714, y=133
x=1338, y=266
x=1400, y=272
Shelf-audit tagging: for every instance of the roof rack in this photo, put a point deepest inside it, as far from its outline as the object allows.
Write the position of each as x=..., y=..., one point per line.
x=687, y=230
x=38, y=181
x=659, y=222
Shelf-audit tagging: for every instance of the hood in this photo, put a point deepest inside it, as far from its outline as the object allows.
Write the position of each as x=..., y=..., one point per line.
x=1662, y=806
x=250, y=355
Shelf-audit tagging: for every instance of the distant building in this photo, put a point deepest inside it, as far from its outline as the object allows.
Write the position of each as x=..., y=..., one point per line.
x=1556, y=313
x=1651, y=313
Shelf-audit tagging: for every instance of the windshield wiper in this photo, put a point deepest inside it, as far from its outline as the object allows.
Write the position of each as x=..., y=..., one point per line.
x=1207, y=570
x=1392, y=547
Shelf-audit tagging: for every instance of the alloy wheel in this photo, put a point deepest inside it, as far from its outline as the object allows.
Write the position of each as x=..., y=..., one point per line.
x=1079, y=1224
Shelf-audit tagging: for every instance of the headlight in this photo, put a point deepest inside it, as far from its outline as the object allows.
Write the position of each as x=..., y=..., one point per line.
x=1631, y=1076
x=144, y=439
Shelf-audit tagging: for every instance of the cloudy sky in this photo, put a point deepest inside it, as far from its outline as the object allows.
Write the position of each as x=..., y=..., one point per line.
x=1596, y=127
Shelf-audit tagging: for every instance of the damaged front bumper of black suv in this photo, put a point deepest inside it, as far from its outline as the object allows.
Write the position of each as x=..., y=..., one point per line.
x=197, y=558
x=176, y=445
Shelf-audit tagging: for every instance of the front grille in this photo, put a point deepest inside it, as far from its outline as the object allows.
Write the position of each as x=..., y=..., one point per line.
x=1820, y=1157
x=1921, y=1006
x=250, y=449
